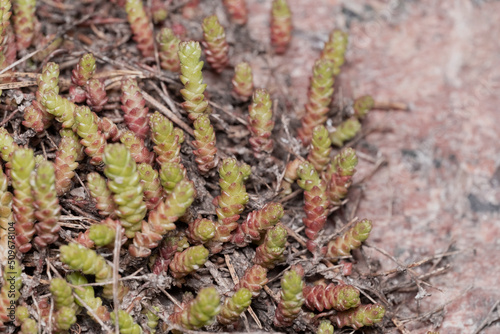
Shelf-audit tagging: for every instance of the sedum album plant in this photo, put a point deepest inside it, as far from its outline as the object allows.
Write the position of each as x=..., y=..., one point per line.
x=188, y=261
x=338, y=297
x=47, y=208
x=291, y=297
x=363, y=315
x=141, y=27
x=132, y=219
x=24, y=22
x=350, y=240
x=233, y=307
x=281, y=25
x=254, y=279
x=23, y=207
x=243, y=82
x=162, y=219
x=238, y=11
x=214, y=42
x=260, y=123
x=320, y=96
x=124, y=182
x=206, y=149
x=168, y=44
x=167, y=139
x=315, y=202
x=192, y=79
x=133, y=106
x=77, y=257
x=200, y=311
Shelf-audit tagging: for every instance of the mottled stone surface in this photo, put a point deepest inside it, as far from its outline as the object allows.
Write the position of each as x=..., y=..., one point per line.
x=442, y=180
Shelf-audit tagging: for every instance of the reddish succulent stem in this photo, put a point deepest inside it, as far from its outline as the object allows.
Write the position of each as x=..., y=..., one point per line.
x=96, y=94
x=170, y=245
x=109, y=129
x=140, y=26
x=205, y=144
x=363, y=315
x=238, y=11
x=260, y=123
x=189, y=9
x=133, y=105
x=319, y=98
x=257, y=223
x=214, y=42
x=338, y=297
x=253, y=279
x=281, y=25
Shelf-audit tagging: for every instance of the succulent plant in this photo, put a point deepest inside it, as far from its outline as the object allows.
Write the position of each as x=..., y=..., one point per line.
x=62, y=293
x=315, y=202
x=6, y=218
x=281, y=25
x=101, y=194
x=345, y=131
x=23, y=165
x=335, y=49
x=84, y=70
x=162, y=219
x=124, y=182
x=339, y=175
x=362, y=105
x=87, y=127
x=192, y=79
x=254, y=279
x=89, y=262
x=153, y=191
x=234, y=306
x=319, y=154
x=28, y=325
x=168, y=48
x=152, y=319
x=291, y=298
x=338, y=297
x=237, y=10
x=201, y=230
x=140, y=26
x=200, y=311
x=47, y=208
x=62, y=109
x=7, y=145
x=206, y=151
x=86, y=293
x=133, y=106
x=271, y=251
x=351, y=239
x=260, y=123
x=167, y=139
x=325, y=327
x=24, y=22
x=363, y=315
x=137, y=148
x=188, y=261
x=320, y=96
x=232, y=200
x=242, y=81
x=65, y=163
x=257, y=223
x=96, y=94
x=10, y=293
x=126, y=323
x=214, y=42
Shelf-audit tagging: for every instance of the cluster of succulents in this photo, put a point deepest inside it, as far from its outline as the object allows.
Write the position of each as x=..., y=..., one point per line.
x=157, y=192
